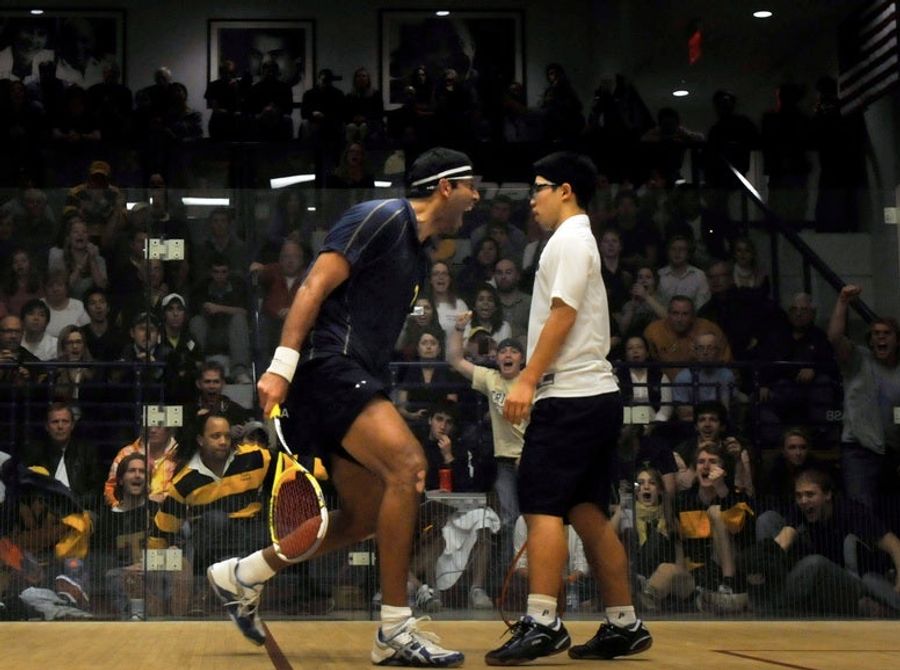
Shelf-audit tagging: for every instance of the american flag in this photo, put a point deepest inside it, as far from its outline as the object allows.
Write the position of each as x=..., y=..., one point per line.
x=868, y=54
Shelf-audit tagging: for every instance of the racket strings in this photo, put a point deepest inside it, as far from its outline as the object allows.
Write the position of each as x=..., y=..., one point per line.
x=297, y=516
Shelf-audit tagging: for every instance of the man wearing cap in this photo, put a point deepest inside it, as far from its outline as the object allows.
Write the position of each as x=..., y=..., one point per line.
x=568, y=464
x=337, y=339
x=143, y=348
x=178, y=349
x=101, y=204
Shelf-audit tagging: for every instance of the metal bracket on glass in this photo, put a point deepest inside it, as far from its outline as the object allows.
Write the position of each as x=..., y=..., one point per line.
x=166, y=416
x=164, y=250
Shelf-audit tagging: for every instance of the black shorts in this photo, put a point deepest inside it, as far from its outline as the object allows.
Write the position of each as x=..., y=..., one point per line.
x=324, y=399
x=569, y=455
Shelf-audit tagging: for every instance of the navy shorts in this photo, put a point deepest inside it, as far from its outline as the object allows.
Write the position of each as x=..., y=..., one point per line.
x=569, y=455
x=324, y=399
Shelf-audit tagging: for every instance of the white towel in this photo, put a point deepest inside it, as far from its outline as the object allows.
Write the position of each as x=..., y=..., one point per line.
x=460, y=534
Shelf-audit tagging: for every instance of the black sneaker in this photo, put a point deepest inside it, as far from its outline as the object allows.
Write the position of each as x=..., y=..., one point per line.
x=611, y=641
x=530, y=640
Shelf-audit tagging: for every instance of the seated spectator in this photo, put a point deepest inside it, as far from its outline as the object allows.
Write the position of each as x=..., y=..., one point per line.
x=363, y=110
x=34, y=223
x=428, y=382
x=279, y=282
x=463, y=544
x=641, y=243
x=179, y=350
x=679, y=277
x=67, y=381
x=100, y=204
x=478, y=268
x=159, y=453
x=516, y=303
x=352, y=171
x=8, y=246
x=776, y=486
x=127, y=278
x=744, y=315
x=69, y=460
x=495, y=384
x=643, y=306
x=290, y=220
x=217, y=489
x=712, y=523
x=501, y=228
x=576, y=577
x=747, y=270
x=796, y=395
x=12, y=352
x=424, y=316
x=671, y=339
x=210, y=399
x=446, y=301
x=645, y=386
x=661, y=576
x=538, y=237
x=836, y=573
x=222, y=242
x=40, y=343
x=710, y=425
x=79, y=260
x=695, y=385
x=616, y=278
x=104, y=340
x=220, y=324
x=488, y=314
x=64, y=311
x=871, y=391
x=141, y=347
x=22, y=282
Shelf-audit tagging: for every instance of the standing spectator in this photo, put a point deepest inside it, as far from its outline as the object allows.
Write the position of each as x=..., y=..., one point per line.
x=516, y=303
x=64, y=310
x=112, y=102
x=322, y=108
x=446, y=302
x=71, y=461
x=179, y=350
x=78, y=259
x=222, y=241
x=220, y=325
x=785, y=141
x=103, y=338
x=182, y=123
x=279, y=282
x=40, y=343
x=22, y=282
x=666, y=144
x=671, y=339
x=223, y=98
x=641, y=242
x=679, y=277
x=871, y=392
x=363, y=110
x=352, y=171
x=560, y=107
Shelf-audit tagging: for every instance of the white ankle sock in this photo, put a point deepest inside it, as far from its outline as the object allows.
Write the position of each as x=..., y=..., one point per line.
x=542, y=608
x=392, y=617
x=623, y=617
x=254, y=569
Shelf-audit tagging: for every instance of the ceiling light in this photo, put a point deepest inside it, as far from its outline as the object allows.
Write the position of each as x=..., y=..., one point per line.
x=382, y=184
x=205, y=202
x=681, y=92
x=762, y=14
x=282, y=182
x=37, y=12
x=442, y=12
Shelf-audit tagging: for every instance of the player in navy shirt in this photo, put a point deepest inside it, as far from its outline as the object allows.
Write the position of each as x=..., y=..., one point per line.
x=337, y=340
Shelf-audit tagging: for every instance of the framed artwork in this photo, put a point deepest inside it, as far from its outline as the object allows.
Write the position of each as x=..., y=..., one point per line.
x=251, y=44
x=79, y=43
x=485, y=47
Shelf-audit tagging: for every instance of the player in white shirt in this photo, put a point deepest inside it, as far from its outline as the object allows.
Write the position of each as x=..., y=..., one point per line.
x=568, y=461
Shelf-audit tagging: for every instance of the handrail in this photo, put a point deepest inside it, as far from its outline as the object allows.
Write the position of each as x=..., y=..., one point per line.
x=809, y=256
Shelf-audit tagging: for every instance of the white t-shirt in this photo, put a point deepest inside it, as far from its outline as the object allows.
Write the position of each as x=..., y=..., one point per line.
x=508, y=438
x=73, y=314
x=569, y=269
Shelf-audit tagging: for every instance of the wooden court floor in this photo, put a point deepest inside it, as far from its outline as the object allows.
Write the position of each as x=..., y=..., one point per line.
x=193, y=645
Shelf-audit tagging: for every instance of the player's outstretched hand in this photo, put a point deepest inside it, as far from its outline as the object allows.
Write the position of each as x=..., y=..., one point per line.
x=272, y=390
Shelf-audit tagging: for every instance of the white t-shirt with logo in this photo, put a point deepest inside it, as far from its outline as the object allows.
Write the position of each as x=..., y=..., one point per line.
x=569, y=269
x=508, y=438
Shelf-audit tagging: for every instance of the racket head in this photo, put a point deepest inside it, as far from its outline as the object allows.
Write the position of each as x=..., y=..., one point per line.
x=298, y=516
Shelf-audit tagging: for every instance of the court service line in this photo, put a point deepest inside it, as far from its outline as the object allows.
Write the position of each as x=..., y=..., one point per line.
x=279, y=660
x=764, y=660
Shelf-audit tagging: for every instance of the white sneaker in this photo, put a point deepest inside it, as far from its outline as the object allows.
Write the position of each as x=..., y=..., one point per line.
x=426, y=601
x=479, y=599
x=409, y=646
x=240, y=600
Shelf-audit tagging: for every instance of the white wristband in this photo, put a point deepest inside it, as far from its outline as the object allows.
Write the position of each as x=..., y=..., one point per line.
x=284, y=362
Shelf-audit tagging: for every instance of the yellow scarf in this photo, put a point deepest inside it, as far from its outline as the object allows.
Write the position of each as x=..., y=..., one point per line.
x=649, y=515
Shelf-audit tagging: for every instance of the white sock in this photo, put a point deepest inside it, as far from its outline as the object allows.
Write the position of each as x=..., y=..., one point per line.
x=254, y=569
x=542, y=608
x=623, y=617
x=392, y=617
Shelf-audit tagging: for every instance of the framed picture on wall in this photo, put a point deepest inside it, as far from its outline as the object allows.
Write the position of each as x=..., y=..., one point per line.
x=252, y=44
x=79, y=43
x=485, y=47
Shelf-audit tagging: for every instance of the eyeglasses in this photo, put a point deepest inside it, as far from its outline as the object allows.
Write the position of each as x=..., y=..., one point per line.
x=537, y=188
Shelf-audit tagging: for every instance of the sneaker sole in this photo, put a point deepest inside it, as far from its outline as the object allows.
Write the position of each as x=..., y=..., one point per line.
x=598, y=657
x=224, y=599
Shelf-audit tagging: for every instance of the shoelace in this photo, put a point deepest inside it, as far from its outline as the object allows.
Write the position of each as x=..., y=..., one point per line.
x=518, y=629
x=413, y=629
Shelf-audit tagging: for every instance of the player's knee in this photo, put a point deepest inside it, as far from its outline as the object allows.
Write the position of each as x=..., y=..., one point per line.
x=407, y=468
x=420, y=481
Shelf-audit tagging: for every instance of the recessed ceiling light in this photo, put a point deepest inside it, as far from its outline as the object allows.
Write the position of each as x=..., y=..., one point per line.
x=762, y=14
x=37, y=12
x=442, y=12
x=681, y=92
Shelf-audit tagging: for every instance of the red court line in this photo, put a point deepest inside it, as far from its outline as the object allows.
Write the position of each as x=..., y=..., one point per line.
x=763, y=660
x=279, y=660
